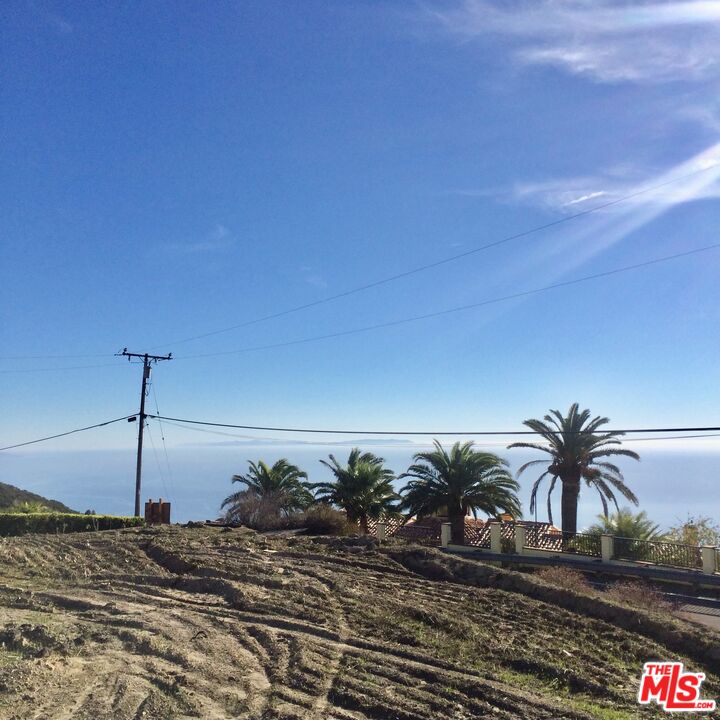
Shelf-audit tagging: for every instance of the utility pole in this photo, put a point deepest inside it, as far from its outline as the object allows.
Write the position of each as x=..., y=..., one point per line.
x=147, y=360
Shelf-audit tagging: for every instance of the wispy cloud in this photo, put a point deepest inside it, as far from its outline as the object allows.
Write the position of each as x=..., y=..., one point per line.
x=707, y=116
x=584, y=198
x=60, y=24
x=220, y=238
x=560, y=254
x=696, y=178
x=578, y=244
x=609, y=41
x=53, y=20
x=311, y=276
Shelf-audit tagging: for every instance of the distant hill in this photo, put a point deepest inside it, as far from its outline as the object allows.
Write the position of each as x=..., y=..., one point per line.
x=11, y=495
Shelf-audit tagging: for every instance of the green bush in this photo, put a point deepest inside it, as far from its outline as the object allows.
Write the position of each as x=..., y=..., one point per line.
x=23, y=523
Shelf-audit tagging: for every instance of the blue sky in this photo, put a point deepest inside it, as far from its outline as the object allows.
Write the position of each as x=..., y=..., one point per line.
x=173, y=169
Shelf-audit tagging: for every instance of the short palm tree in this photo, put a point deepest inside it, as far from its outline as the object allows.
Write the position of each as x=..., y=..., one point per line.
x=362, y=487
x=280, y=488
x=626, y=524
x=577, y=452
x=462, y=480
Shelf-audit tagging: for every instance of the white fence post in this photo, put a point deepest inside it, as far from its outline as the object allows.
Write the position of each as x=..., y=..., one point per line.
x=496, y=537
x=607, y=547
x=520, y=538
x=445, y=534
x=380, y=532
x=709, y=562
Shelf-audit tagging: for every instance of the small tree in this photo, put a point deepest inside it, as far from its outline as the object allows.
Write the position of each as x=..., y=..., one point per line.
x=695, y=531
x=624, y=523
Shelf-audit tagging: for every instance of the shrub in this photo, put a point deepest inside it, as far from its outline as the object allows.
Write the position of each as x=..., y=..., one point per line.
x=626, y=524
x=566, y=578
x=29, y=507
x=262, y=512
x=639, y=595
x=23, y=523
x=324, y=520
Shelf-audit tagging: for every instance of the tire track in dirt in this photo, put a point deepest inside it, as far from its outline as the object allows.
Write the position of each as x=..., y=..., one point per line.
x=180, y=624
x=273, y=633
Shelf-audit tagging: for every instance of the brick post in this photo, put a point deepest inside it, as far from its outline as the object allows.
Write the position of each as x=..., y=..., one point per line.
x=445, y=534
x=380, y=532
x=520, y=538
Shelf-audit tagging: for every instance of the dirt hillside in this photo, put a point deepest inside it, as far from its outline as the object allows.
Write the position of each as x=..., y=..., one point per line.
x=205, y=623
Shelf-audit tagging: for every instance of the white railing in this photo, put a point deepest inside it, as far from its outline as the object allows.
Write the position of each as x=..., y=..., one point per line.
x=536, y=539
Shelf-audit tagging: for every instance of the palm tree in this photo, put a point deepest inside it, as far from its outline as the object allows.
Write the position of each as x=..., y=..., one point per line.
x=363, y=487
x=461, y=480
x=276, y=490
x=576, y=452
x=626, y=524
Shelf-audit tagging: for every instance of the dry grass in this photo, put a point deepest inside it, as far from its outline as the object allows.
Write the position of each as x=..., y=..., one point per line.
x=566, y=578
x=639, y=595
x=324, y=520
x=632, y=593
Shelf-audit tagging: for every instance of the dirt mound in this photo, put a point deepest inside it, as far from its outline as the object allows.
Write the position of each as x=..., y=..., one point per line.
x=200, y=623
x=700, y=646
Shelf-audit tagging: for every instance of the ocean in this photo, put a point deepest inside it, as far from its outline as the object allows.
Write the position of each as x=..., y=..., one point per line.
x=670, y=484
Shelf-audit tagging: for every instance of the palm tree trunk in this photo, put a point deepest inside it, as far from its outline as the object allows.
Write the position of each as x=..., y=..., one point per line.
x=352, y=518
x=364, y=523
x=457, y=525
x=569, y=502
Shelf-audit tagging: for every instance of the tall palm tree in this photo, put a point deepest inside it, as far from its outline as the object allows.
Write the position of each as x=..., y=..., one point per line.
x=461, y=480
x=362, y=487
x=278, y=489
x=577, y=453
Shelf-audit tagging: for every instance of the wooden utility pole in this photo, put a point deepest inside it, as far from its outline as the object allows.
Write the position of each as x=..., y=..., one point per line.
x=147, y=360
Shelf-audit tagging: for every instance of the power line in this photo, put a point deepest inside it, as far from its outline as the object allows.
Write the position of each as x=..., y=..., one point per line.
x=368, y=286
x=69, y=432
x=214, y=432
x=162, y=435
x=673, y=437
x=420, y=432
x=52, y=357
x=51, y=369
x=444, y=261
x=416, y=318
x=365, y=432
x=157, y=459
x=460, y=308
x=484, y=444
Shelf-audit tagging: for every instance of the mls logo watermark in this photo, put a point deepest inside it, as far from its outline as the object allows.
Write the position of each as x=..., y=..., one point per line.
x=673, y=689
